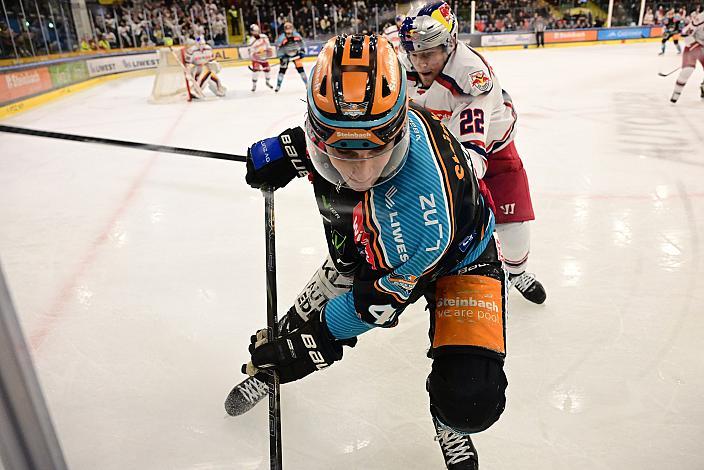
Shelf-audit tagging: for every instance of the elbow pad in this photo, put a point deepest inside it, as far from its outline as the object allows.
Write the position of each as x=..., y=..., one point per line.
x=325, y=284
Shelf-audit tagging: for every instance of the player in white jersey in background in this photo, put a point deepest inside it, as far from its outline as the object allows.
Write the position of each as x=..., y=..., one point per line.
x=693, y=51
x=391, y=32
x=203, y=68
x=260, y=52
x=459, y=87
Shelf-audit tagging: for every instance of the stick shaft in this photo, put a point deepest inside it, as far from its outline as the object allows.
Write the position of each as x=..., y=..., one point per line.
x=275, y=460
x=123, y=143
x=668, y=73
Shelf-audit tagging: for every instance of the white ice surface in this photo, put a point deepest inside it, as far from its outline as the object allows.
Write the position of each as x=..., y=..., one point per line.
x=139, y=277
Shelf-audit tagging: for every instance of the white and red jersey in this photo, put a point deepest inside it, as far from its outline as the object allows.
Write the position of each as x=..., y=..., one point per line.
x=694, y=31
x=467, y=97
x=199, y=54
x=391, y=34
x=259, y=48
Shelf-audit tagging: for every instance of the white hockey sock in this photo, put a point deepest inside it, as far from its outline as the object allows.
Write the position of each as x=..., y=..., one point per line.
x=682, y=78
x=515, y=245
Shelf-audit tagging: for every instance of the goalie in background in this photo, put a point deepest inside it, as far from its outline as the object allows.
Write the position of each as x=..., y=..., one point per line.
x=260, y=52
x=202, y=68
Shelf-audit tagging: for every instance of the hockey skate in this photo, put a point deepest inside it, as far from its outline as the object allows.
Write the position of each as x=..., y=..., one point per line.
x=254, y=86
x=268, y=83
x=457, y=449
x=675, y=96
x=529, y=287
x=701, y=90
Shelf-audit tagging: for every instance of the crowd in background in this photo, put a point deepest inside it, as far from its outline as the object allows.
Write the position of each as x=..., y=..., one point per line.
x=320, y=18
x=664, y=13
x=142, y=23
x=136, y=23
x=520, y=15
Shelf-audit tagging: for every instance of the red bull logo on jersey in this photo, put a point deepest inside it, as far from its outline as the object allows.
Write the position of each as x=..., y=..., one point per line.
x=480, y=80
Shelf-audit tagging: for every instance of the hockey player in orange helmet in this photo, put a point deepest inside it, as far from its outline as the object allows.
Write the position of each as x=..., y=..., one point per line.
x=404, y=219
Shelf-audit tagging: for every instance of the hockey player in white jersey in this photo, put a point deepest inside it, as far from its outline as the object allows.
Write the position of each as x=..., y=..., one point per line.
x=693, y=52
x=260, y=52
x=391, y=32
x=202, y=68
x=459, y=87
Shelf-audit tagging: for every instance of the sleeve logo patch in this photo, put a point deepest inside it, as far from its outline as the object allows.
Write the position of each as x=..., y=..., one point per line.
x=480, y=80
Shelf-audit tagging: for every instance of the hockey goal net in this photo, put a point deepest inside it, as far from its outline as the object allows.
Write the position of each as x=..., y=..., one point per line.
x=170, y=80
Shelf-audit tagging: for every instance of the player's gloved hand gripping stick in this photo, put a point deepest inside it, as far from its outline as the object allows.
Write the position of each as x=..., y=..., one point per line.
x=277, y=160
x=296, y=354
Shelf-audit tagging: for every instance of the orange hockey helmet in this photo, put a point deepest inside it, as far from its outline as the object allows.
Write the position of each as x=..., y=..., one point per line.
x=357, y=108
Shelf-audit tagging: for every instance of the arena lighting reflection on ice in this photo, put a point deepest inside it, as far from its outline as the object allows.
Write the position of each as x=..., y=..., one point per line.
x=621, y=230
x=572, y=272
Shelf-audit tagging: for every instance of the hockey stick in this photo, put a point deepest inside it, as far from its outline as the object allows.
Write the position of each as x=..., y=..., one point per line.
x=270, y=66
x=123, y=143
x=668, y=73
x=190, y=79
x=275, y=461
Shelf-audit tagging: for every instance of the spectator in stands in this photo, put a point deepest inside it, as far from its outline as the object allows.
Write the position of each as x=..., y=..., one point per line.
x=103, y=43
x=111, y=39
x=124, y=32
x=85, y=44
x=7, y=35
x=648, y=18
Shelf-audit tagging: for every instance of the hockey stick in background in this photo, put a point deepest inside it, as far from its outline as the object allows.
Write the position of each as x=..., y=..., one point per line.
x=275, y=461
x=668, y=73
x=123, y=143
x=270, y=66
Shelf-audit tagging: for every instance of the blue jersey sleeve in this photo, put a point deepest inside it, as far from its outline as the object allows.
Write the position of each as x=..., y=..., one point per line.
x=408, y=223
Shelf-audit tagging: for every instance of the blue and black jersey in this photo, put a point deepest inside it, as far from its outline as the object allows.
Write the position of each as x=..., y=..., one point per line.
x=429, y=220
x=290, y=46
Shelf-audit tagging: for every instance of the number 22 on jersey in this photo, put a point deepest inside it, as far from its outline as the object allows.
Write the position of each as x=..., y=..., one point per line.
x=472, y=121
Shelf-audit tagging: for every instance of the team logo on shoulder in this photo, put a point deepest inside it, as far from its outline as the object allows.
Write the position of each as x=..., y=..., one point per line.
x=480, y=80
x=407, y=282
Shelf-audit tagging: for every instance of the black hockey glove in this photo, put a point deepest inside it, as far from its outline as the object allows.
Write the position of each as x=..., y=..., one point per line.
x=277, y=160
x=294, y=355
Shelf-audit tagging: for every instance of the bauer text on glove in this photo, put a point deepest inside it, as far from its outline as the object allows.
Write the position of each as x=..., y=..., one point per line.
x=296, y=354
x=277, y=160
